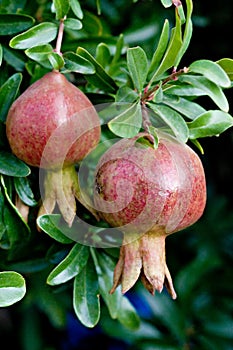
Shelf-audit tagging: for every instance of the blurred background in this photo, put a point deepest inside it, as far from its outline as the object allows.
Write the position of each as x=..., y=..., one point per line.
x=199, y=258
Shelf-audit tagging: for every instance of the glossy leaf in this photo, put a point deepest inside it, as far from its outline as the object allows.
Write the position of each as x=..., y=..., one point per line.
x=56, y=60
x=189, y=109
x=12, y=288
x=14, y=58
x=40, y=34
x=77, y=63
x=160, y=50
x=227, y=66
x=11, y=24
x=209, y=88
x=105, y=265
x=61, y=8
x=138, y=65
x=188, y=31
x=100, y=79
x=103, y=55
x=166, y=3
x=127, y=315
x=184, y=90
x=86, y=301
x=129, y=120
x=40, y=54
x=76, y=8
x=211, y=123
x=173, y=121
x=126, y=94
x=172, y=51
x=23, y=189
x=73, y=24
x=52, y=225
x=71, y=266
x=211, y=71
x=12, y=166
x=8, y=92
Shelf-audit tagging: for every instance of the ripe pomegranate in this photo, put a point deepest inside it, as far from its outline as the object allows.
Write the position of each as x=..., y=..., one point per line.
x=148, y=194
x=53, y=125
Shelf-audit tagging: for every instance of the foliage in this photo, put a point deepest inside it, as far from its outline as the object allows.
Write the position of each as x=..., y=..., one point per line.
x=129, y=82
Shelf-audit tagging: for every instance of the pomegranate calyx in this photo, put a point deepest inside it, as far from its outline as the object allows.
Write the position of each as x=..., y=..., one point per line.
x=61, y=187
x=145, y=258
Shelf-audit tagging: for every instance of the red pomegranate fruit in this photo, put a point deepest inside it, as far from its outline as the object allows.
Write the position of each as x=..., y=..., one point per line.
x=53, y=125
x=148, y=193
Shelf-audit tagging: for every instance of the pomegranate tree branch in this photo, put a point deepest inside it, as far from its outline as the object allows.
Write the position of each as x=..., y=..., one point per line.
x=149, y=93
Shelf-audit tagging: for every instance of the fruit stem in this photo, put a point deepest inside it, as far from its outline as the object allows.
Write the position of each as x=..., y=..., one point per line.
x=60, y=36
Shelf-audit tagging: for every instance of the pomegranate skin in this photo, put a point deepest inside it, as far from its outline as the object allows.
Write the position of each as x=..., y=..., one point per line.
x=52, y=106
x=148, y=194
x=138, y=187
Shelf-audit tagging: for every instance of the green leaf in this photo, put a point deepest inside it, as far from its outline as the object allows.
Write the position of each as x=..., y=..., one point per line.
x=1, y=53
x=172, y=120
x=8, y=195
x=24, y=191
x=103, y=55
x=76, y=8
x=42, y=33
x=86, y=296
x=105, y=265
x=184, y=90
x=71, y=266
x=128, y=122
x=8, y=92
x=77, y=63
x=160, y=50
x=61, y=8
x=40, y=54
x=119, y=48
x=56, y=60
x=12, y=166
x=126, y=94
x=166, y=3
x=210, y=123
x=209, y=88
x=211, y=71
x=138, y=65
x=15, y=59
x=100, y=79
x=187, y=32
x=172, y=51
x=127, y=315
x=52, y=225
x=12, y=288
x=2, y=224
x=73, y=23
x=227, y=66
x=11, y=24
x=184, y=106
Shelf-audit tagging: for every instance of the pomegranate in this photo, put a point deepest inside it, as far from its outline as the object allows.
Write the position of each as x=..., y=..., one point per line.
x=148, y=194
x=53, y=125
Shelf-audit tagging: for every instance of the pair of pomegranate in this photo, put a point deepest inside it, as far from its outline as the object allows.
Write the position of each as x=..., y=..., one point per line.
x=147, y=193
